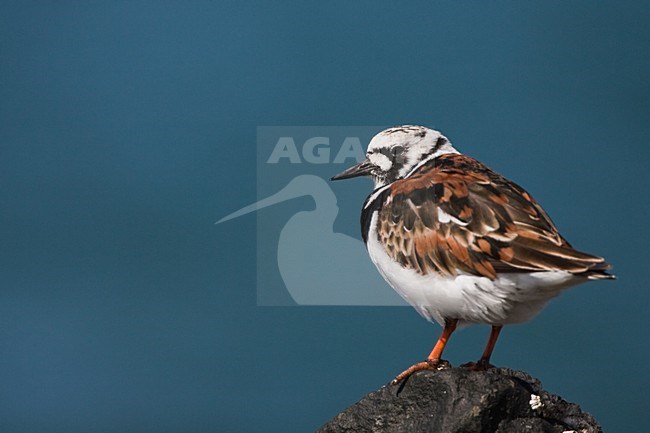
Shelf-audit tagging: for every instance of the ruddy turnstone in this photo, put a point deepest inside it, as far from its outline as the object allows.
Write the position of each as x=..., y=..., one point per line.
x=459, y=242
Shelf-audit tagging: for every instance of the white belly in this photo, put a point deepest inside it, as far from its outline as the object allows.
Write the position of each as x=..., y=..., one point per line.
x=510, y=298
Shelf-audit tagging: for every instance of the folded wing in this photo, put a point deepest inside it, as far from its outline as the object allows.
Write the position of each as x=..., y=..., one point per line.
x=455, y=215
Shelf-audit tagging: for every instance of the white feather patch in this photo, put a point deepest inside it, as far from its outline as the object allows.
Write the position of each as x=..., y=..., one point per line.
x=445, y=218
x=380, y=160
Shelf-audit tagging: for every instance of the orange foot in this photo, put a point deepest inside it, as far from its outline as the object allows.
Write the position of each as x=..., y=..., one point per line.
x=430, y=364
x=481, y=365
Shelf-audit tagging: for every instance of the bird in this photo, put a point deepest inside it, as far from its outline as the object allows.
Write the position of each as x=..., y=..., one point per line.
x=459, y=242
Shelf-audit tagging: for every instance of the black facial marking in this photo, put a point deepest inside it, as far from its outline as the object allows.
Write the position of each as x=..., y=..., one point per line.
x=368, y=210
x=385, y=151
x=441, y=141
x=397, y=156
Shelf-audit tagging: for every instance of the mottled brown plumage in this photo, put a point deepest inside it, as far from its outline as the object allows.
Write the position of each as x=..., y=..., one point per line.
x=454, y=214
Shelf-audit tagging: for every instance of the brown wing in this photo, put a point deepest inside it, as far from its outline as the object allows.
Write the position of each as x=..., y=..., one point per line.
x=454, y=215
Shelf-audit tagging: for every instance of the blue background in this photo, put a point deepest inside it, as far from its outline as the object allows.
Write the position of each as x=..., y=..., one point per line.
x=127, y=129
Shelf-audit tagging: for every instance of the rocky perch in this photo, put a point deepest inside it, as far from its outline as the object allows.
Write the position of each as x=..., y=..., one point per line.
x=457, y=400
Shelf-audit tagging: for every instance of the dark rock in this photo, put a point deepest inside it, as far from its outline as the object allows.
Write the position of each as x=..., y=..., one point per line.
x=457, y=400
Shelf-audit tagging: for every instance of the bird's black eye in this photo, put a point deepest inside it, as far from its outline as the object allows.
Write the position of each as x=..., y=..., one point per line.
x=398, y=155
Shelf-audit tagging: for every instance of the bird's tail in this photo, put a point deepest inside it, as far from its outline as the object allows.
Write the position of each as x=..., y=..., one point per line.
x=599, y=272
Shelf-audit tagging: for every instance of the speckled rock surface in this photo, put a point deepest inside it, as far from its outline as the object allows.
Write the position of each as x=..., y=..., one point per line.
x=456, y=400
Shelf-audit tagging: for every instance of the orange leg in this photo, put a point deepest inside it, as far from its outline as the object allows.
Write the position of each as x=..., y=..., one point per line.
x=484, y=362
x=433, y=362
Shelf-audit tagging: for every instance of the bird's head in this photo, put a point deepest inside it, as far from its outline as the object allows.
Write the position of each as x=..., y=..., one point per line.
x=394, y=152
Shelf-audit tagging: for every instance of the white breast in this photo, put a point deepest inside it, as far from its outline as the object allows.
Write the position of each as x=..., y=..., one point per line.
x=510, y=298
